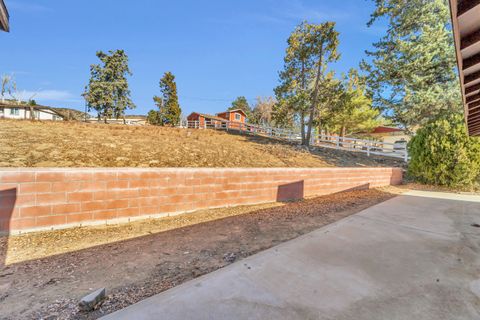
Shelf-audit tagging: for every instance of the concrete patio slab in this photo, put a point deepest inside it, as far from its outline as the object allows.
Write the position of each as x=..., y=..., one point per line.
x=416, y=256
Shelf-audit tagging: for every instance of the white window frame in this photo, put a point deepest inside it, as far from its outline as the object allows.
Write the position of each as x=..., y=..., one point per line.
x=239, y=118
x=14, y=111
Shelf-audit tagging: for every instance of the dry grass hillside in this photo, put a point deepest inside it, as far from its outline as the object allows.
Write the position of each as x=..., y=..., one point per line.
x=71, y=144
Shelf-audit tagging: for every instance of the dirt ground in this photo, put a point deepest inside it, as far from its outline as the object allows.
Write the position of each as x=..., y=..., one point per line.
x=44, y=274
x=76, y=144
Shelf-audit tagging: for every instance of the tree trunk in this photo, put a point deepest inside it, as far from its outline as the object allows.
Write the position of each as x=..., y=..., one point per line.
x=32, y=116
x=302, y=126
x=314, y=97
x=343, y=133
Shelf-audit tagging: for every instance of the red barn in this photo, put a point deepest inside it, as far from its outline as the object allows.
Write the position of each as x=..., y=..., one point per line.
x=237, y=115
x=236, y=118
x=202, y=120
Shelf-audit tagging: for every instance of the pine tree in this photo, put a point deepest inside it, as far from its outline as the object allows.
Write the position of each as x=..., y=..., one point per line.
x=169, y=109
x=107, y=91
x=412, y=72
x=352, y=111
x=153, y=117
x=311, y=47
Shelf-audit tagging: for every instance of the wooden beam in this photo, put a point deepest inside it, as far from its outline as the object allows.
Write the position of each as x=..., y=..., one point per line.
x=472, y=89
x=472, y=61
x=475, y=129
x=473, y=98
x=473, y=105
x=473, y=119
x=472, y=77
x=474, y=125
x=474, y=133
x=470, y=40
x=466, y=5
x=471, y=113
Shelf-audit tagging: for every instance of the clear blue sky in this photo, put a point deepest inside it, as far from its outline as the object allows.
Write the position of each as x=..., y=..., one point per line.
x=217, y=49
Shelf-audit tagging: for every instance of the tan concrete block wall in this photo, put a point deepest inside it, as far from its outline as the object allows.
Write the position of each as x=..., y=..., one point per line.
x=32, y=198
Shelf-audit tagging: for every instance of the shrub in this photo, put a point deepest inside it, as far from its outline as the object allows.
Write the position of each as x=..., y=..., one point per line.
x=442, y=153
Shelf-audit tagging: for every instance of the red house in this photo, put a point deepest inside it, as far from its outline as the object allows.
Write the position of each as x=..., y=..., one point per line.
x=236, y=115
x=235, y=118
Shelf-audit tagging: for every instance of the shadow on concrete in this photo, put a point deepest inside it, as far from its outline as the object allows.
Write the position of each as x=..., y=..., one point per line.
x=290, y=191
x=8, y=198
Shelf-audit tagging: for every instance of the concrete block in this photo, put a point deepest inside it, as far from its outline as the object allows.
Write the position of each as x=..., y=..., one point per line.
x=90, y=301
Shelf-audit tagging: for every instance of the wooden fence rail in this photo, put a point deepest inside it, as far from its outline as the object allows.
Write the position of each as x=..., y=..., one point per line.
x=396, y=150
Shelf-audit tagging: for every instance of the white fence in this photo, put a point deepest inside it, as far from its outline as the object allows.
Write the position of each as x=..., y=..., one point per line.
x=396, y=150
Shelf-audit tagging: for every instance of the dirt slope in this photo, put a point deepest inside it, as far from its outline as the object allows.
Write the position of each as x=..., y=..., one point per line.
x=74, y=144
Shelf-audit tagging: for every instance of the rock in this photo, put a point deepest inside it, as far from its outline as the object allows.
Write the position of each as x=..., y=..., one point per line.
x=89, y=302
x=229, y=257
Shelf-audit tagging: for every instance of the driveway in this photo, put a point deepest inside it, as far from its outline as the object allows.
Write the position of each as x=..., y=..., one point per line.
x=416, y=256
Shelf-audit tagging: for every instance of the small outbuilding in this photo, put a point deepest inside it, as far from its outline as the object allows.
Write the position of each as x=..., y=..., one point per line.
x=203, y=120
x=234, y=118
x=237, y=115
x=386, y=134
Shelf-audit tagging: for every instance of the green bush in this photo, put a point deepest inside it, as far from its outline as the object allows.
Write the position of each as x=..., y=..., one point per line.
x=442, y=153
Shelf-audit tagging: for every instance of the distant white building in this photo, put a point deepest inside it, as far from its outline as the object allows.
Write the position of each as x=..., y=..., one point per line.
x=12, y=111
x=131, y=120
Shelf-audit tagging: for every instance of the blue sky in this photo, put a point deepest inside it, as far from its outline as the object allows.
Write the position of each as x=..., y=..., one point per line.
x=217, y=49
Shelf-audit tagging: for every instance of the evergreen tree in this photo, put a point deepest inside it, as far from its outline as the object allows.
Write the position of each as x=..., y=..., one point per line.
x=412, y=72
x=153, y=117
x=107, y=91
x=353, y=111
x=442, y=153
x=169, y=109
x=311, y=47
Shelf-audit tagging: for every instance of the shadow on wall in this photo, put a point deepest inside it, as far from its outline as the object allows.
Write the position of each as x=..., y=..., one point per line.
x=295, y=191
x=364, y=186
x=290, y=191
x=8, y=198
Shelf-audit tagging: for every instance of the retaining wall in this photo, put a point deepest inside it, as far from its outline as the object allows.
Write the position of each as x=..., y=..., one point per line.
x=35, y=199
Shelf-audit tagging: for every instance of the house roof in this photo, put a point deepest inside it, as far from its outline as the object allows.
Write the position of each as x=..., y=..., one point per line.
x=4, y=17
x=384, y=129
x=209, y=116
x=466, y=31
x=235, y=110
x=37, y=107
x=135, y=116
